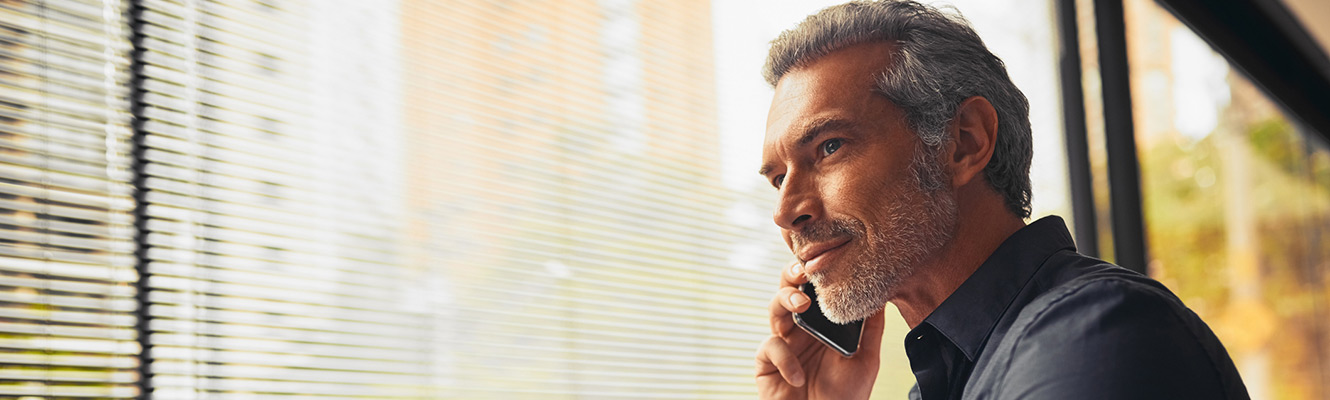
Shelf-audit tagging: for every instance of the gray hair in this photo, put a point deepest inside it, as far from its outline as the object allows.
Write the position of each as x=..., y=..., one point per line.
x=938, y=61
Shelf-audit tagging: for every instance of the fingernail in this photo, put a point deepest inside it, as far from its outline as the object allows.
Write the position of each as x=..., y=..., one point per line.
x=798, y=300
x=794, y=269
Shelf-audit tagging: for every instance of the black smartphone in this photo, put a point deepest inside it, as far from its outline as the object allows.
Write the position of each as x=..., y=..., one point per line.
x=843, y=338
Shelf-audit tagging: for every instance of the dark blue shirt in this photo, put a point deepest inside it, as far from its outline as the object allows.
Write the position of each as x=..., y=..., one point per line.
x=1039, y=321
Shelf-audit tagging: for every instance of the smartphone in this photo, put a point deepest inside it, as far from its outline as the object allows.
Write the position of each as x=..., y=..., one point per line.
x=843, y=338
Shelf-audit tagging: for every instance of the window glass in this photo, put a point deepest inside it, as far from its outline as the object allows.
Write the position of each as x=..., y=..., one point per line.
x=1237, y=206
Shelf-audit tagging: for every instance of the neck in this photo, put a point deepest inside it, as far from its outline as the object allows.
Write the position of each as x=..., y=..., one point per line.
x=982, y=224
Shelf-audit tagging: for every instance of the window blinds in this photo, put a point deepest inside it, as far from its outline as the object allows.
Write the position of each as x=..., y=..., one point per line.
x=271, y=251
x=67, y=307
x=342, y=199
x=565, y=185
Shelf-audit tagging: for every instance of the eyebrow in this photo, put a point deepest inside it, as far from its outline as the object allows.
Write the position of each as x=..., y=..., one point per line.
x=814, y=129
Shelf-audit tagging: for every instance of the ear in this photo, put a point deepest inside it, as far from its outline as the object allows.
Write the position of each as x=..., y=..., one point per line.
x=974, y=134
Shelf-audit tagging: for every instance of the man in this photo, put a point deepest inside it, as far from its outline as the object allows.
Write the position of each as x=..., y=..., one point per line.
x=901, y=151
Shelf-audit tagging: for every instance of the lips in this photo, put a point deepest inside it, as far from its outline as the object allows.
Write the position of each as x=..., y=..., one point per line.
x=813, y=254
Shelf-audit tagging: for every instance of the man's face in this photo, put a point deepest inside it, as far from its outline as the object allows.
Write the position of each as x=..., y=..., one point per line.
x=848, y=169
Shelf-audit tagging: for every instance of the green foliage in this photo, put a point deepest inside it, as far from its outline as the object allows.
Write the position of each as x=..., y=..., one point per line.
x=1275, y=140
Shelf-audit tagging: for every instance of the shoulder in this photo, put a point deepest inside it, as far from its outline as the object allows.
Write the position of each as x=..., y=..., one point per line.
x=1102, y=293
x=1112, y=333
x=1079, y=288
x=1106, y=310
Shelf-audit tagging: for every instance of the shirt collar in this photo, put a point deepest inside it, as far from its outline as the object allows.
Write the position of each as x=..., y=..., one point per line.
x=968, y=316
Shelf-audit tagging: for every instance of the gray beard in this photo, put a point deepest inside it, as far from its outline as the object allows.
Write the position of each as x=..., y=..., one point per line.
x=920, y=223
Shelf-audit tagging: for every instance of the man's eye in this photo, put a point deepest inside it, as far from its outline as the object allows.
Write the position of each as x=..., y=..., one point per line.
x=779, y=180
x=830, y=146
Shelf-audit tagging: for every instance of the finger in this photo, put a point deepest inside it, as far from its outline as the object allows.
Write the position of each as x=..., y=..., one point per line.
x=870, y=344
x=788, y=300
x=775, y=357
x=793, y=275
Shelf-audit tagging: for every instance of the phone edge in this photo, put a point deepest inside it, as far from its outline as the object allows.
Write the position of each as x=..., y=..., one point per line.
x=827, y=341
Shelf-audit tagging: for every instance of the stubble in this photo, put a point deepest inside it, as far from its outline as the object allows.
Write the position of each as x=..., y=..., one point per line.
x=920, y=219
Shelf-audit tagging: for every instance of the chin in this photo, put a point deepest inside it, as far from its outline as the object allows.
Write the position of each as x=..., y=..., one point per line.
x=849, y=299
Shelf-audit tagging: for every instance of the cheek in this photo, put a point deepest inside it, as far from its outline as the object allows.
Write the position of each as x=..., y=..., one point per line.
x=875, y=200
x=860, y=194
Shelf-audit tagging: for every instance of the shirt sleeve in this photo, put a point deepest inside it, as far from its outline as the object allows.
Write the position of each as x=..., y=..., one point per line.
x=1112, y=339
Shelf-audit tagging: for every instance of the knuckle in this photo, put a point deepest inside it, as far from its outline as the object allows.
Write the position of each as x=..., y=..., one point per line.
x=763, y=351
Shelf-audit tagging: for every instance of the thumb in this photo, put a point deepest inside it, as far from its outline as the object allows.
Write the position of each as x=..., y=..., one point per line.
x=870, y=344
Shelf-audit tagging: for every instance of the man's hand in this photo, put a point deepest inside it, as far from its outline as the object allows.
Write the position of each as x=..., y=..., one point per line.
x=791, y=364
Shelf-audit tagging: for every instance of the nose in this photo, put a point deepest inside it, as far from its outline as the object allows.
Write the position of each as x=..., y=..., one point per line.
x=798, y=203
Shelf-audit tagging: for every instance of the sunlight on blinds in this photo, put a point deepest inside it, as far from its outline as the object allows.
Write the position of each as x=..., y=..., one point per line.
x=67, y=322
x=565, y=195
x=371, y=200
x=272, y=260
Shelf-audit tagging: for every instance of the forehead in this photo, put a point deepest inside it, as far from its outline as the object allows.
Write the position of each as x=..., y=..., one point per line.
x=838, y=85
